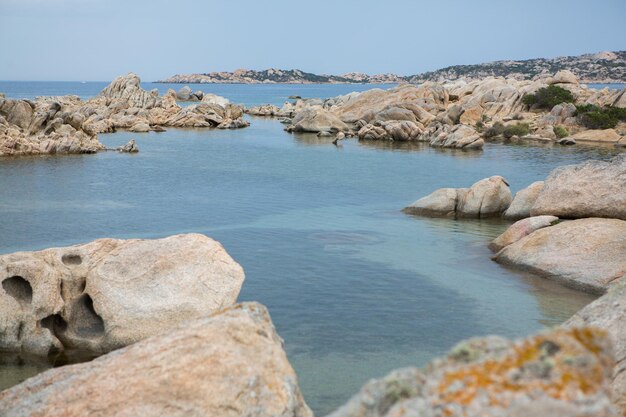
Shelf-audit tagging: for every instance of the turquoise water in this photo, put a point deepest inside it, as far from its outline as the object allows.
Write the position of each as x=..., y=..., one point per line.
x=354, y=286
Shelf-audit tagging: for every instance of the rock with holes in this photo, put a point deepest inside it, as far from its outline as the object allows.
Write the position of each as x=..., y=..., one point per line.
x=586, y=254
x=564, y=373
x=589, y=189
x=109, y=293
x=230, y=364
x=486, y=198
x=609, y=313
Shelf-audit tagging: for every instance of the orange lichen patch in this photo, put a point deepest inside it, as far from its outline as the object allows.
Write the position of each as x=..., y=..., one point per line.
x=561, y=365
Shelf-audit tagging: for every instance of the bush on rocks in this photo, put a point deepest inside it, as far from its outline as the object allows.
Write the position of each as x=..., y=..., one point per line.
x=560, y=132
x=548, y=97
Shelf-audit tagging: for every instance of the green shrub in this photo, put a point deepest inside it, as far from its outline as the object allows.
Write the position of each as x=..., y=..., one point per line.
x=560, y=132
x=548, y=97
x=479, y=126
x=594, y=117
x=495, y=130
x=520, y=129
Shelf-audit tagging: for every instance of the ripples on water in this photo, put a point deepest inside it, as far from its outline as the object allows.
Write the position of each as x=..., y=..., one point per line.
x=354, y=286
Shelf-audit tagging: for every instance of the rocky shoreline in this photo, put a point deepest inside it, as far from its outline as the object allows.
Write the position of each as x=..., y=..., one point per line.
x=460, y=115
x=69, y=125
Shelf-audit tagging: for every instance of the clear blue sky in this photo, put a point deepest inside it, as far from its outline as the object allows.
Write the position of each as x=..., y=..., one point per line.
x=99, y=39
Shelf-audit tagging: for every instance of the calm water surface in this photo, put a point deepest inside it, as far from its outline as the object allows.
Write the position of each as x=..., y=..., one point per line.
x=354, y=286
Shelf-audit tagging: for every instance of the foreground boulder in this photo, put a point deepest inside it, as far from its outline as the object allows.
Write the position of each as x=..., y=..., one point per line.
x=565, y=373
x=110, y=293
x=590, y=189
x=230, y=364
x=609, y=313
x=586, y=254
x=486, y=198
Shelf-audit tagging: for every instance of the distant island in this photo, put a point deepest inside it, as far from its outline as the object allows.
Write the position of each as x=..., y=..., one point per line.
x=602, y=67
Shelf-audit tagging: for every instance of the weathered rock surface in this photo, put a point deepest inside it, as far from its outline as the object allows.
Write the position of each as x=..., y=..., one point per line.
x=605, y=136
x=609, y=313
x=523, y=201
x=316, y=120
x=486, y=198
x=230, y=364
x=110, y=293
x=520, y=229
x=589, y=189
x=565, y=373
x=586, y=254
x=28, y=128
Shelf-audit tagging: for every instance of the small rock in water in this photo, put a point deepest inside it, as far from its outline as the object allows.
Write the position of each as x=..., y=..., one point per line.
x=130, y=147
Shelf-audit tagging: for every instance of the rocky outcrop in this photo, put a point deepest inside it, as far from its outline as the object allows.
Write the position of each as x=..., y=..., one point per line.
x=69, y=125
x=316, y=119
x=521, y=229
x=110, y=293
x=586, y=254
x=564, y=373
x=488, y=197
x=230, y=364
x=590, y=189
x=602, y=136
x=28, y=128
x=609, y=313
x=523, y=202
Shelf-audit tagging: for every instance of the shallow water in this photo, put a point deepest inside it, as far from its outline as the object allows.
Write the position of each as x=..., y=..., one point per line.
x=354, y=286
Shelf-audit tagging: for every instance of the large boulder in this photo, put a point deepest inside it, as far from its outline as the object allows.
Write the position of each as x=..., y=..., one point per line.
x=488, y=197
x=564, y=373
x=523, y=202
x=184, y=94
x=586, y=254
x=609, y=313
x=110, y=293
x=590, y=189
x=605, y=136
x=520, y=229
x=316, y=119
x=230, y=364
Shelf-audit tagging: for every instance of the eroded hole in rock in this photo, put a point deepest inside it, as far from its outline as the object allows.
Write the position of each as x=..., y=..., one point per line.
x=71, y=259
x=18, y=288
x=54, y=323
x=85, y=320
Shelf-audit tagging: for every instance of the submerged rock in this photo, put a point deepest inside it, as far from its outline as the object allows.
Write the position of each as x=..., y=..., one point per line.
x=110, y=293
x=488, y=197
x=565, y=373
x=229, y=364
x=586, y=254
x=590, y=189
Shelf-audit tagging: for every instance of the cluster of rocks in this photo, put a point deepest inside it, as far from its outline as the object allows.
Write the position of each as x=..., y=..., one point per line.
x=68, y=124
x=184, y=348
x=448, y=115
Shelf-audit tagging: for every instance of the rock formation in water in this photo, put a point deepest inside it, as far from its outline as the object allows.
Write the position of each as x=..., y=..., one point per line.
x=458, y=115
x=110, y=293
x=565, y=373
x=586, y=254
x=228, y=364
x=28, y=128
x=489, y=197
x=67, y=124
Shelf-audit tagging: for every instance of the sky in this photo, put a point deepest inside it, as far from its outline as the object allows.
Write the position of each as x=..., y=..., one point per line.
x=96, y=40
